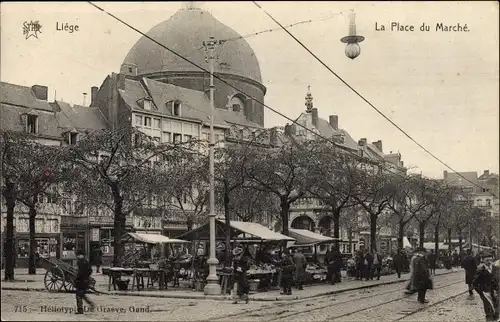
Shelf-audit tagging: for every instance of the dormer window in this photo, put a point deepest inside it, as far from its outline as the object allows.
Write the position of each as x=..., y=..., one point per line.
x=30, y=123
x=147, y=105
x=176, y=111
x=174, y=107
x=236, y=104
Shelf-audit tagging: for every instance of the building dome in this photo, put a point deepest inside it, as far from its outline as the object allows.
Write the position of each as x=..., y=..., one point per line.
x=184, y=33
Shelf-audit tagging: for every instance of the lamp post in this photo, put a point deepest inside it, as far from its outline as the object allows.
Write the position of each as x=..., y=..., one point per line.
x=212, y=287
x=352, y=49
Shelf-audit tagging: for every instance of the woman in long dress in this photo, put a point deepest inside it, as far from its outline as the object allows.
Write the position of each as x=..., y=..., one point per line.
x=241, y=267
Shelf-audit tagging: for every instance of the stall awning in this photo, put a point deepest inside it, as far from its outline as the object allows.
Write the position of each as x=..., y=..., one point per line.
x=307, y=237
x=151, y=238
x=239, y=231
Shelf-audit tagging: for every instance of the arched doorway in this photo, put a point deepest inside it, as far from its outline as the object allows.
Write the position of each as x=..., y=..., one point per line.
x=325, y=225
x=303, y=222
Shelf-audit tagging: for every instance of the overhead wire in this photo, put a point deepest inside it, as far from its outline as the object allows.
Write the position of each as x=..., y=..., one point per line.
x=381, y=165
x=364, y=99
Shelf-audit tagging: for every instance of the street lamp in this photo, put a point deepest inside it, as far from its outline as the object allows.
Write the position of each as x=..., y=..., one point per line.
x=212, y=287
x=352, y=49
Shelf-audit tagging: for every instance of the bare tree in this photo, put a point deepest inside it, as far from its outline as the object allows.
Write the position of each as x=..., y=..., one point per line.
x=372, y=192
x=281, y=171
x=349, y=220
x=31, y=169
x=119, y=169
x=332, y=173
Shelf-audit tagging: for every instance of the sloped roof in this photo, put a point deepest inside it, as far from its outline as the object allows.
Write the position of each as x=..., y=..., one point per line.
x=152, y=238
x=10, y=120
x=307, y=237
x=456, y=179
x=21, y=96
x=80, y=117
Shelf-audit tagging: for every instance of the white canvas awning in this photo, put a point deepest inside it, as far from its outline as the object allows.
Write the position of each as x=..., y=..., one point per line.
x=307, y=237
x=257, y=230
x=152, y=238
x=406, y=242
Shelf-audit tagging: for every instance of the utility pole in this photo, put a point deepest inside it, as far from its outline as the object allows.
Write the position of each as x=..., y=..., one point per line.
x=212, y=287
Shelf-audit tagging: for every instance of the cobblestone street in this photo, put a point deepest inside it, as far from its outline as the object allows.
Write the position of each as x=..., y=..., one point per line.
x=447, y=302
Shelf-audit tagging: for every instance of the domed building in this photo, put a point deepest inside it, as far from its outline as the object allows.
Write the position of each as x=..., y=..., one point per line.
x=185, y=33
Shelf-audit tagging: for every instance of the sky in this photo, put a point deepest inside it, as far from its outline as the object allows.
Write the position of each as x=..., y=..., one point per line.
x=442, y=88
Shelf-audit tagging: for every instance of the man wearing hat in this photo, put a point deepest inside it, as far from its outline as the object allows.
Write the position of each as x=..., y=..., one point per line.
x=469, y=265
x=486, y=284
x=287, y=270
x=241, y=266
x=82, y=282
x=420, y=280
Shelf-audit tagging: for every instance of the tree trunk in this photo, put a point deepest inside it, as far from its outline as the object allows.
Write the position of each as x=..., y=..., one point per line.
x=9, y=249
x=336, y=227
x=373, y=232
x=189, y=224
x=349, y=236
x=119, y=226
x=460, y=241
x=227, y=220
x=449, y=239
x=32, y=258
x=285, y=215
x=436, y=240
x=421, y=233
x=401, y=235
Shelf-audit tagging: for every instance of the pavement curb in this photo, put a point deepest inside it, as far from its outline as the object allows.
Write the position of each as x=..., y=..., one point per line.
x=225, y=298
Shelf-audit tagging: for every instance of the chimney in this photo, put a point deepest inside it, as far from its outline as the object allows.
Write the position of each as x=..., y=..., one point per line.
x=93, y=95
x=334, y=122
x=362, y=142
x=486, y=172
x=41, y=92
x=120, y=79
x=314, y=114
x=378, y=144
x=445, y=174
x=288, y=129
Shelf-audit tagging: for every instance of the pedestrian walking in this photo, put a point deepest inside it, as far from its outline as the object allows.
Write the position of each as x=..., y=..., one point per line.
x=240, y=266
x=420, y=280
x=330, y=266
x=287, y=271
x=300, y=262
x=432, y=259
x=360, y=265
x=96, y=258
x=368, y=263
x=486, y=284
x=397, y=262
x=82, y=283
x=377, y=264
x=470, y=267
x=338, y=263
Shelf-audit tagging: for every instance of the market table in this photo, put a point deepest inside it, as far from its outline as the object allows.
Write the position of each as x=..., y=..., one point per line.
x=138, y=274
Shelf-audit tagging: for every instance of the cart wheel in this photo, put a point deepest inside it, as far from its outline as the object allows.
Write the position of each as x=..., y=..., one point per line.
x=69, y=286
x=54, y=279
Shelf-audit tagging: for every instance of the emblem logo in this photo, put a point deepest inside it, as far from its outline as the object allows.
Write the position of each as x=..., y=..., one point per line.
x=31, y=29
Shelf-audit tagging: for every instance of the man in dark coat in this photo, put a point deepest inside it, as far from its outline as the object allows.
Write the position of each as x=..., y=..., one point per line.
x=338, y=263
x=432, y=259
x=397, y=262
x=82, y=283
x=377, y=264
x=97, y=258
x=360, y=266
x=300, y=262
x=330, y=266
x=287, y=271
x=368, y=263
x=469, y=265
x=486, y=283
x=241, y=267
x=420, y=280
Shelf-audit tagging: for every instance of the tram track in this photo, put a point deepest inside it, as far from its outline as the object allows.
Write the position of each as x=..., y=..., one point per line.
x=260, y=312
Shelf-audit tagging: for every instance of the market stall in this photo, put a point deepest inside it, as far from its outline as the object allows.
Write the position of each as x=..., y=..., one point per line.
x=142, y=261
x=258, y=242
x=308, y=240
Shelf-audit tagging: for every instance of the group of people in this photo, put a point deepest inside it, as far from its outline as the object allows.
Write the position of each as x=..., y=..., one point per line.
x=484, y=278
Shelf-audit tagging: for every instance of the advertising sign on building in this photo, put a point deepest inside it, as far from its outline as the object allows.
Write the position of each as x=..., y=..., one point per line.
x=95, y=234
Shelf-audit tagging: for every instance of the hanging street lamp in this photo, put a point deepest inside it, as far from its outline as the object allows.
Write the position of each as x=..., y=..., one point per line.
x=352, y=49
